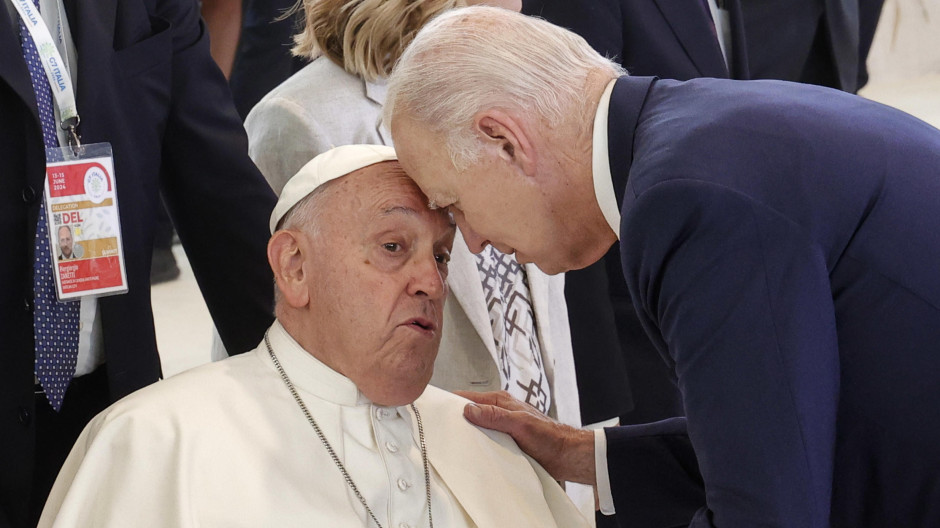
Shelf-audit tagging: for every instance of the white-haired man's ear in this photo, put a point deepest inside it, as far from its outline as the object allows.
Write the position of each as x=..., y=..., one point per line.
x=287, y=263
x=508, y=136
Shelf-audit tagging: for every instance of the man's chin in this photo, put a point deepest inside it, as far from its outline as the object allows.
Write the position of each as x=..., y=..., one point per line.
x=402, y=381
x=552, y=268
x=558, y=265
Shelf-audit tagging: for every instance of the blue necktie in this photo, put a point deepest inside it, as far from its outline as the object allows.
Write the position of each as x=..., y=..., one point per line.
x=55, y=324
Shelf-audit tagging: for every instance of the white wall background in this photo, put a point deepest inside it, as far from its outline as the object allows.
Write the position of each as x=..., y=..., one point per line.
x=907, y=41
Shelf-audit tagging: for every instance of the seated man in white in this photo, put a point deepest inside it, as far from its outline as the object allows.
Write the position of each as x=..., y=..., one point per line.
x=316, y=427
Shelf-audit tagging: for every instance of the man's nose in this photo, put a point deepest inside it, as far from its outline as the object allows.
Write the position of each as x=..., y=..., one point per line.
x=427, y=279
x=474, y=241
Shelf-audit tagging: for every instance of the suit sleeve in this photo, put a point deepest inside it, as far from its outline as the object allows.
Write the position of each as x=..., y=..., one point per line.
x=739, y=296
x=218, y=200
x=654, y=474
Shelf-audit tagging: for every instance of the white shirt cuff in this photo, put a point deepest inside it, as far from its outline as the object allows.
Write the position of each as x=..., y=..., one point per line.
x=605, y=498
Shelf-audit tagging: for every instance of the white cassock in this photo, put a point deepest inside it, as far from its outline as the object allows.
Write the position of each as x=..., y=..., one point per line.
x=226, y=445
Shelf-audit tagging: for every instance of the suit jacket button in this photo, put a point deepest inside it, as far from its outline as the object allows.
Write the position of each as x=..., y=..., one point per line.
x=24, y=416
x=28, y=194
x=28, y=304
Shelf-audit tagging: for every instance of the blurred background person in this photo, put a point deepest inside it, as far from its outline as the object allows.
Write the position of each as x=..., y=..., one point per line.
x=824, y=42
x=263, y=58
x=224, y=23
x=251, y=42
x=506, y=324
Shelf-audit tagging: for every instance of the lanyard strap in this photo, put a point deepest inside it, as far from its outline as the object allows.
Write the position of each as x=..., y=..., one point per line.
x=53, y=65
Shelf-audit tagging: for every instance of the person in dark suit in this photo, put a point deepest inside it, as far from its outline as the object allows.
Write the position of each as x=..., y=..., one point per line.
x=673, y=39
x=146, y=84
x=824, y=42
x=262, y=58
x=779, y=243
x=869, y=12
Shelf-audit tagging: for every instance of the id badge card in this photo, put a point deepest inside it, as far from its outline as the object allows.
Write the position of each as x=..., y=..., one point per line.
x=84, y=224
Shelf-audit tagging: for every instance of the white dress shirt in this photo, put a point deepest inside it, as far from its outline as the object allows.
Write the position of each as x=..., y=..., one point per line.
x=607, y=200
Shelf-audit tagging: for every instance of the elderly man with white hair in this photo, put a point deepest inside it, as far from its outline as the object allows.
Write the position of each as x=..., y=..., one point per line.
x=330, y=421
x=780, y=246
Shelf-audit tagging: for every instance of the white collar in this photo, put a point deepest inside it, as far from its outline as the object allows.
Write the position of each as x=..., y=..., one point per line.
x=308, y=373
x=603, y=182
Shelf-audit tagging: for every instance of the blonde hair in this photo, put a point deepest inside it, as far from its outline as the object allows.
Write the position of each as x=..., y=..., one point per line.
x=474, y=58
x=365, y=37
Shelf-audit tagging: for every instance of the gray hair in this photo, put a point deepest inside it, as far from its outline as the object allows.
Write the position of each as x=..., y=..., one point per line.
x=305, y=215
x=470, y=59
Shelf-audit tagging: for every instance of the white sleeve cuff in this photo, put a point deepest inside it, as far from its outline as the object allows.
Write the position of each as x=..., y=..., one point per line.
x=605, y=498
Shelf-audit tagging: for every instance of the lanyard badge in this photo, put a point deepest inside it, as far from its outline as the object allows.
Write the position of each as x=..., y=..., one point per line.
x=84, y=223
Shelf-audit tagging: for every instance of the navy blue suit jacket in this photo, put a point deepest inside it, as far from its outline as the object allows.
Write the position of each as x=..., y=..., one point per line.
x=780, y=243
x=147, y=85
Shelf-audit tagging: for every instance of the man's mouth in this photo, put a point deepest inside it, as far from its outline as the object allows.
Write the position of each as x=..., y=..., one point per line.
x=421, y=324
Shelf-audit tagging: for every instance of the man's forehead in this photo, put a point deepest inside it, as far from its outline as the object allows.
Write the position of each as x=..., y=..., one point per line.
x=429, y=165
x=387, y=190
x=386, y=181
x=427, y=175
x=408, y=202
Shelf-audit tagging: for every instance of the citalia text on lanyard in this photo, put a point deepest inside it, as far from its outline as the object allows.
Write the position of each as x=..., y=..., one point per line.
x=53, y=65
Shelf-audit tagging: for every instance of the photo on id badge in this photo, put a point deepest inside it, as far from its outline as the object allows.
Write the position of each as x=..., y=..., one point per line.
x=84, y=224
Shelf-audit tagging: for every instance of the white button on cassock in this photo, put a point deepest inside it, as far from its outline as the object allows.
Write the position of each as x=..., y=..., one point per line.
x=392, y=447
x=403, y=484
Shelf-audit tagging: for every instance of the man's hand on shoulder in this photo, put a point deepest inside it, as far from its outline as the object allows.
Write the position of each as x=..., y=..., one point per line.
x=565, y=452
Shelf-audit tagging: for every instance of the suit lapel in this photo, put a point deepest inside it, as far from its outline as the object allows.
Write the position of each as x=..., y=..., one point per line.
x=13, y=69
x=464, y=281
x=697, y=39
x=376, y=91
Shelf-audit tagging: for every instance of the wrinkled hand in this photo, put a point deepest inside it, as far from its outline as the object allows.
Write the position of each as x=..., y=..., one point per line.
x=565, y=452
